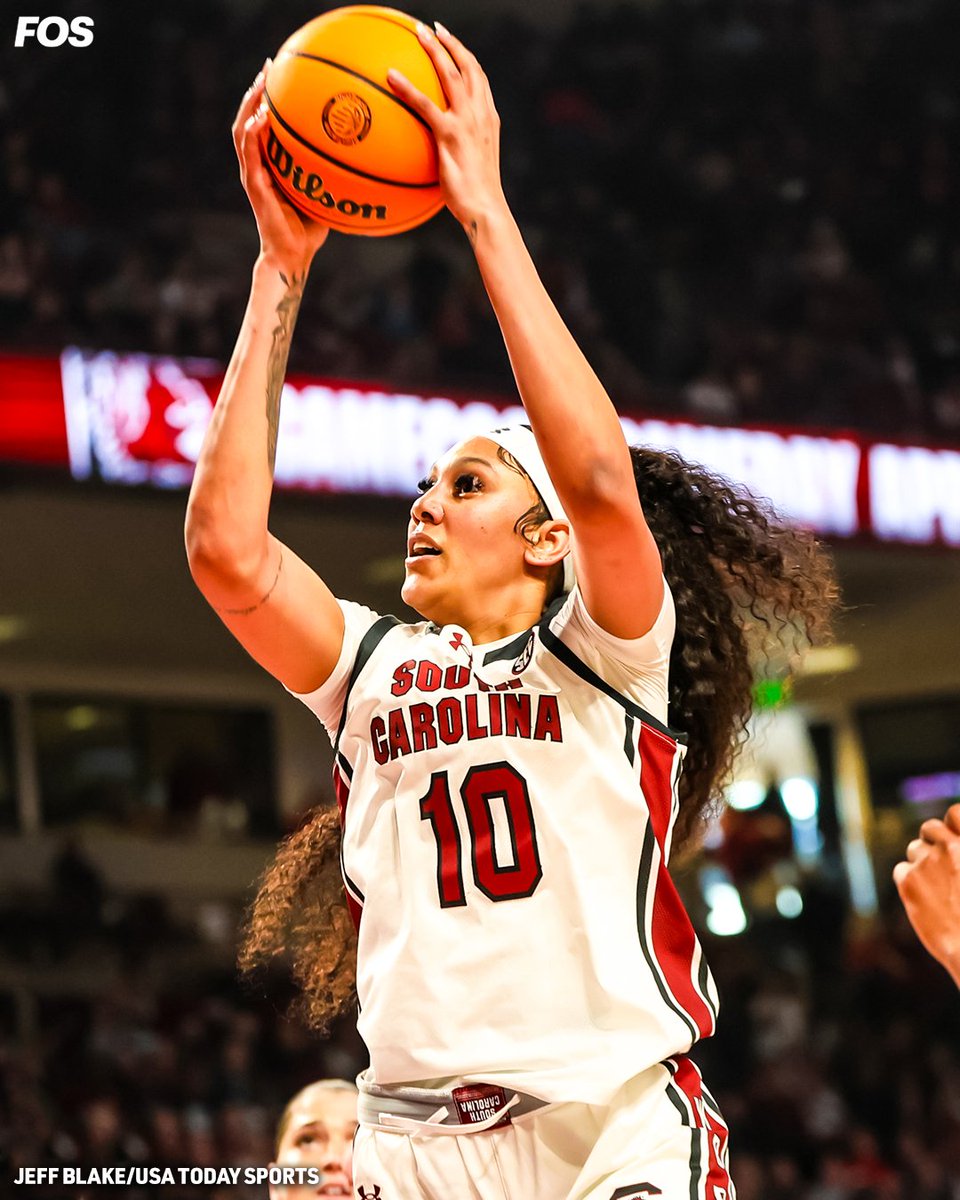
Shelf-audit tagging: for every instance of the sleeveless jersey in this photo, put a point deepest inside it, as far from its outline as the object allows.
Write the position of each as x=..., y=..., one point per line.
x=507, y=812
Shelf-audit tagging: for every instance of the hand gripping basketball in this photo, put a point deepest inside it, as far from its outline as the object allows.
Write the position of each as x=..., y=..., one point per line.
x=286, y=237
x=467, y=134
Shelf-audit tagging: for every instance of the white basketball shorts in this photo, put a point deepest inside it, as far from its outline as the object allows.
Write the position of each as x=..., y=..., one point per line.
x=662, y=1135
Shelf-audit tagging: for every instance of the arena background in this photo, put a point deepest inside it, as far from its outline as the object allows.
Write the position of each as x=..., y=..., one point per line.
x=747, y=212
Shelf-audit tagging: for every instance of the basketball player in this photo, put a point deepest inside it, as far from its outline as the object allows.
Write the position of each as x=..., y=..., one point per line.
x=510, y=778
x=929, y=886
x=316, y=1130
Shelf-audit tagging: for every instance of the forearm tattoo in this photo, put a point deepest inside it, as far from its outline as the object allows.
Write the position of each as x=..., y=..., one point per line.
x=252, y=608
x=287, y=311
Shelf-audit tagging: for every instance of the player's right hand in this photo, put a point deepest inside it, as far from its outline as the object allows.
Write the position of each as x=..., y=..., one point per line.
x=929, y=886
x=286, y=238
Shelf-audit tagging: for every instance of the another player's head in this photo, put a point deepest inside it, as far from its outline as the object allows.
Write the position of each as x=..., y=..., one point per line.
x=316, y=1130
x=487, y=535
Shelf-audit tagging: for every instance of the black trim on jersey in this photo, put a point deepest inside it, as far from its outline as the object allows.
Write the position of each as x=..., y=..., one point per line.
x=371, y=640
x=702, y=976
x=517, y=645
x=511, y=650
x=711, y=1102
x=348, y=885
x=629, y=742
x=562, y=651
x=697, y=1132
x=672, y=1095
x=713, y=1109
x=644, y=881
x=351, y=886
x=695, y=1168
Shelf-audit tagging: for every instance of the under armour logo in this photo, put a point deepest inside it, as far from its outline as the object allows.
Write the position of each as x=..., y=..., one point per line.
x=458, y=643
x=365, y=1195
x=636, y=1191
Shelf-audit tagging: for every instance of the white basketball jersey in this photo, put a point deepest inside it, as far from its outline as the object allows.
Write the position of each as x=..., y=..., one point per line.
x=507, y=812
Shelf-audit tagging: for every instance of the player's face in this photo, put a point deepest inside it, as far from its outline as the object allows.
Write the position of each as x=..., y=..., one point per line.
x=320, y=1134
x=464, y=556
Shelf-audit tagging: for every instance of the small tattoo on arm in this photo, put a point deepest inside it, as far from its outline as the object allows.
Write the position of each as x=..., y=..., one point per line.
x=252, y=608
x=287, y=311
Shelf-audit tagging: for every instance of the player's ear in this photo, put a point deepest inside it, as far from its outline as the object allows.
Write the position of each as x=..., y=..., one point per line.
x=548, y=545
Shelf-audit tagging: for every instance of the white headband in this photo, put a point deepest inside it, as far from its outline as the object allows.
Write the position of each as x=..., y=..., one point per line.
x=519, y=441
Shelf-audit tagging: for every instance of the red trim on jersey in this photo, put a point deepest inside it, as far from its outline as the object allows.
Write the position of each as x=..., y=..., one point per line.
x=657, y=754
x=689, y=1081
x=674, y=942
x=341, y=789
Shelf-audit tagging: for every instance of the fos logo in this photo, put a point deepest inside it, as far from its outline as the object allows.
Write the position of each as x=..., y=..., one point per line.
x=54, y=31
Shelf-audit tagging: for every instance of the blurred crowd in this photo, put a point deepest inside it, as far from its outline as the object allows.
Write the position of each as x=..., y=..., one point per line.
x=837, y=1062
x=190, y=1075
x=134, y=1044
x=839, y=1074
x=747, y=210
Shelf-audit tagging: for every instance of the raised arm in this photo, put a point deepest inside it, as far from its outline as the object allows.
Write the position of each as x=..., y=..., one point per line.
x=576, y=426
x=273, y=603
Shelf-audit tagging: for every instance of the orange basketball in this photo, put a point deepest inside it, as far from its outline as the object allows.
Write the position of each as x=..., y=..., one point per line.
x=341, y=145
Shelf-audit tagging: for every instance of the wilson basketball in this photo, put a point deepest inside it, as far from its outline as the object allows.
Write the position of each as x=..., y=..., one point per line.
x=342, y=147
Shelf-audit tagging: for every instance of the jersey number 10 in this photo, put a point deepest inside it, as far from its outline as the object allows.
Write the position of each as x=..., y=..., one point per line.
x=481, y=786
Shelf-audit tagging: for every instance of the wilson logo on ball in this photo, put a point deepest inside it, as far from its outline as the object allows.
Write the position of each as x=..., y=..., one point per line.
x=310, y=185
x=352, y=154
x=346, y=118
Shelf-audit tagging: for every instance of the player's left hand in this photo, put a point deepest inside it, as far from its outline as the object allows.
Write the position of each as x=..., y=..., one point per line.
x=467, y=133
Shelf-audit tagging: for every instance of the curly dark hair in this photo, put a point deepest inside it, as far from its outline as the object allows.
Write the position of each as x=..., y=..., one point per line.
x=747, y=588
x=300, y=915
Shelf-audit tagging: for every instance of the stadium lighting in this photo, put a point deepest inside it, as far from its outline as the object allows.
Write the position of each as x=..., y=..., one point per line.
x=800, y=798
x=726, y=917
x=789, y=902
x=745, y=794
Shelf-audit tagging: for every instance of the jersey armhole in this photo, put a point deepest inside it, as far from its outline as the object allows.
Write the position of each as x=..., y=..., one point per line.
x=371, y=640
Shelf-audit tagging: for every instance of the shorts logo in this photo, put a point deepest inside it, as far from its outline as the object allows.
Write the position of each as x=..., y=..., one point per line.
x=524, y=660
x=636, y=1191
x=346, y=118
x=476, y=1102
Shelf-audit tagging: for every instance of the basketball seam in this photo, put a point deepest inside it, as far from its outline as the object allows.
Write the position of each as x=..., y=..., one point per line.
x=337, y=162
x=331, y=62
